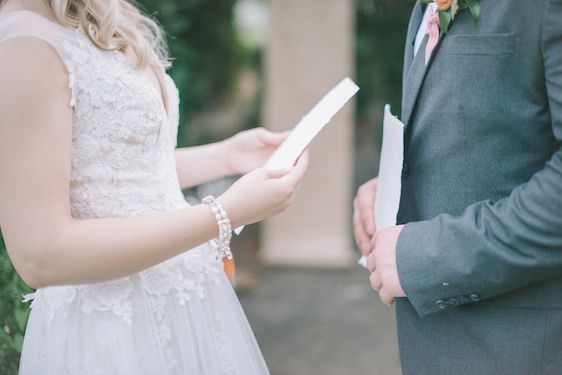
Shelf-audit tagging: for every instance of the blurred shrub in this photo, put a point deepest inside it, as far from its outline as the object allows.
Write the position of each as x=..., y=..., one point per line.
x=381, y=27
x=381, y=31
x=13, y=314
x=207, y=53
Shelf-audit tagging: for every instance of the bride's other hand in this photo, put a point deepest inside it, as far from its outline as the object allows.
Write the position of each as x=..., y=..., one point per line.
x=364, y=226
x=250, y=149
x=263, y=193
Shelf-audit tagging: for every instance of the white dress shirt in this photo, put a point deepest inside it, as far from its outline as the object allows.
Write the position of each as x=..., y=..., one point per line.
x=421, y=31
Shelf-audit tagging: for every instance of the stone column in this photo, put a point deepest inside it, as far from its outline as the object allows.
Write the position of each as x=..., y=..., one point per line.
x=310, y=50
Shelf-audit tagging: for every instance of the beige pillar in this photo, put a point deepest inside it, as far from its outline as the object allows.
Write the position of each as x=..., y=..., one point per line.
x=309, y=51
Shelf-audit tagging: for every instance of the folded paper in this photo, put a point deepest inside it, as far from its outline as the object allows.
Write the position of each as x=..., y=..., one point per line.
x=310, y=126
x=389, y=184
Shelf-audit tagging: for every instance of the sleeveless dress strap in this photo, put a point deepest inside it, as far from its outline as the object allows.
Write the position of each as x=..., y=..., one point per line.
x=27, y=24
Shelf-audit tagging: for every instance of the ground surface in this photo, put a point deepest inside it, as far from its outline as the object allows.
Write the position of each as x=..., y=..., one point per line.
x=320, y=322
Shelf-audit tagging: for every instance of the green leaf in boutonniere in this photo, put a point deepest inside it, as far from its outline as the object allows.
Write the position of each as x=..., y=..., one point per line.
x=474, y=9
x=448, y=9
x=445, y=19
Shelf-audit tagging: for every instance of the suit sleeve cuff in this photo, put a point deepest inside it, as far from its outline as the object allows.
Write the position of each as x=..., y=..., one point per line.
x=425, y=272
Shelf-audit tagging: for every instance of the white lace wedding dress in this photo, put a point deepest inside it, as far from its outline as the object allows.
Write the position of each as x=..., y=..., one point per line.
x=179, y=317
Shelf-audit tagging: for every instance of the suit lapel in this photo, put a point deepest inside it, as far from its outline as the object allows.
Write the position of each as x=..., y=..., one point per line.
x=414, y=78
x=414, y=25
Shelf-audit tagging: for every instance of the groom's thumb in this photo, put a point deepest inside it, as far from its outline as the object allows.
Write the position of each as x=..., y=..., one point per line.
x=385, y=297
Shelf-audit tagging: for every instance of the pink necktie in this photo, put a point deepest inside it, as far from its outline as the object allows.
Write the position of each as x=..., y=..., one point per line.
x=431, y=28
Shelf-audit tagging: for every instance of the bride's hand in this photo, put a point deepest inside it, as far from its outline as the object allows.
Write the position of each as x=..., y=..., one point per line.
x=262, y=193
x=250, y=149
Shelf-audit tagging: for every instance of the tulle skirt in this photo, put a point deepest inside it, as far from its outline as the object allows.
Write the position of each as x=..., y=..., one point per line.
x=181, y=317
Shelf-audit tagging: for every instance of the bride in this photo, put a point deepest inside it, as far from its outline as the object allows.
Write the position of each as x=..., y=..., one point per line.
x=128, y=275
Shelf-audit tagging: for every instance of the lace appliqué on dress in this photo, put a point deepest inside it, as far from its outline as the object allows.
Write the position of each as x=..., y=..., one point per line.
x=159, y=321
x=123, y=164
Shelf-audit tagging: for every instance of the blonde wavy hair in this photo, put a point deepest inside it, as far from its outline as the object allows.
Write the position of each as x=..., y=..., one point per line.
x=115, y=25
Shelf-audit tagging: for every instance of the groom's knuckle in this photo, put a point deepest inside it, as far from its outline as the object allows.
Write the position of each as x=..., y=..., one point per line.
x=375, y=241
x=372, y=281
x=364, y=203
x=355, y=219
x=370, y=264
x=362, y=190
x=384, y=296
x=382, y=237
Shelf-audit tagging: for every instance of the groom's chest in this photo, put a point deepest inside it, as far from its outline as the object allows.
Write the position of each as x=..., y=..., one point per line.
x=475, y=64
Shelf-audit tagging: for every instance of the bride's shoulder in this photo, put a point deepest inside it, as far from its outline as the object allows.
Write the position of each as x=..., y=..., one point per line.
x=23, y=23
x=31, y=72
x=28, y=60
x=30, y=53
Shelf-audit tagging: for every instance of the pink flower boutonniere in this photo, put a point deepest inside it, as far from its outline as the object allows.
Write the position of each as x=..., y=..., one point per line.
x=448, y=9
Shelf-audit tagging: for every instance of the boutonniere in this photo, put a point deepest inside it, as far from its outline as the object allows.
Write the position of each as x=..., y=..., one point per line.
x=448, y=9
x=441, y=20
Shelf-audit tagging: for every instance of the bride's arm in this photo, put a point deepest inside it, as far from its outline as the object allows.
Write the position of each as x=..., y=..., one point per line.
x=200, y=164
x=239, y=154
x=46, y=245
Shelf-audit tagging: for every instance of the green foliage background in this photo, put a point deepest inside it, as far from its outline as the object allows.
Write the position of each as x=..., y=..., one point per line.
x=208, y=56
x=13, y=313
x=381, y=27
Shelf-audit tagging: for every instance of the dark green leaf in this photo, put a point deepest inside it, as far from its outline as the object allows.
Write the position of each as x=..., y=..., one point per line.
x=445, y=18
x=474, y=7
x=21, y=314
x=18, y=342
x=8, y=340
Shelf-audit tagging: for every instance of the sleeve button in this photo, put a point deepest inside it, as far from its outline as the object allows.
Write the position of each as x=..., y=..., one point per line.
x=474, y=297
x=453, y=301
x=441, y=304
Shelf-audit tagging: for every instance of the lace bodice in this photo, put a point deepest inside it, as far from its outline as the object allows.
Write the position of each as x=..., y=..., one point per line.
x=123, y=161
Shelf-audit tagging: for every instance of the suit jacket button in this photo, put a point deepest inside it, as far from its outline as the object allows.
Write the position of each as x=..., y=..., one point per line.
x=441, y=304
x=453, y=301
x=474, y=297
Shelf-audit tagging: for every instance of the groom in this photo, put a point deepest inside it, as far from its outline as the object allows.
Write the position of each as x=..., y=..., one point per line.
x=479, y=259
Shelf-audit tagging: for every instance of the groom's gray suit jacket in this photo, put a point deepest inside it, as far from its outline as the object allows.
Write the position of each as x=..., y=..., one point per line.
x=481, y=256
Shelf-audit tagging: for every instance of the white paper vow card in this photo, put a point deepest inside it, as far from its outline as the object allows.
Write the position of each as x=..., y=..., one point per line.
x=387, y=199
x=309, y=126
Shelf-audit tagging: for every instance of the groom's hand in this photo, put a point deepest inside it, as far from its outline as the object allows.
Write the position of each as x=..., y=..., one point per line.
x=364, y=215
x=382, y=265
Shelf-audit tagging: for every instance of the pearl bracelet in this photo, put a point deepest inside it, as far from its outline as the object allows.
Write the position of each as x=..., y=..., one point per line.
x=221, y=244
